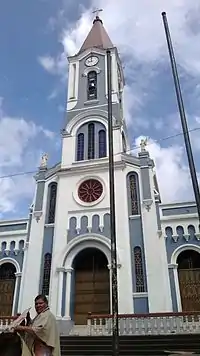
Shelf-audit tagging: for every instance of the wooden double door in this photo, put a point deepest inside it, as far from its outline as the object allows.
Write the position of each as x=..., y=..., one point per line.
x=92, y=285
x=189, y=280
x=7, y=288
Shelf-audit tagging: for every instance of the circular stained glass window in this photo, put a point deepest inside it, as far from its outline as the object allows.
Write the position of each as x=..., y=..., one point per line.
x=90, y=190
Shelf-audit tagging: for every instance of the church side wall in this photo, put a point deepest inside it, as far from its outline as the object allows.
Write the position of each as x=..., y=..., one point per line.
x=180, y=233
x=34, y=253
x=154, y=246
x=12, y=250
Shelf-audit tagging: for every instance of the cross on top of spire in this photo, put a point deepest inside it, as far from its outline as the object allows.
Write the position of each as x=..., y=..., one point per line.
x=97, y=11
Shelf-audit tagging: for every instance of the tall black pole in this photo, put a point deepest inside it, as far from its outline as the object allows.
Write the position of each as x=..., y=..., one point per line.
x=115, y=326
x=182, y=115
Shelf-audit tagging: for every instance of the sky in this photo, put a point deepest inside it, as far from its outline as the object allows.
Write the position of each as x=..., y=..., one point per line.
x=37, y=36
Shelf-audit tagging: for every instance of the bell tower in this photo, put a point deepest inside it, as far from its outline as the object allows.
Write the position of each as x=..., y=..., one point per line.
x=85, y=133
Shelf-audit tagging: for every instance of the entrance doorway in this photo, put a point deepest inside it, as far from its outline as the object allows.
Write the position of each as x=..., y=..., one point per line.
x=189, y=280
x=7, y=288
x=92, y=285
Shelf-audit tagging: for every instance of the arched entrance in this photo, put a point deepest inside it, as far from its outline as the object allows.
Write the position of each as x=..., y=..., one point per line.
x=7, y=288
x=189, y=280
x=92, y=284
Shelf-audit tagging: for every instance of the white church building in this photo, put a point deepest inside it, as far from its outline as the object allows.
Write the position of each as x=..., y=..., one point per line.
x=62, y=249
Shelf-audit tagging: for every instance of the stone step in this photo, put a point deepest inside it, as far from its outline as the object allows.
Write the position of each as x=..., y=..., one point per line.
x=130, y=345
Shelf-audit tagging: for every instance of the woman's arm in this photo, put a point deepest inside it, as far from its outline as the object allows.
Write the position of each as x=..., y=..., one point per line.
x=27, y=329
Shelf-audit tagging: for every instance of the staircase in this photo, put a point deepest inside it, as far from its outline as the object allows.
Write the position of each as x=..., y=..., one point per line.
x=130, y=345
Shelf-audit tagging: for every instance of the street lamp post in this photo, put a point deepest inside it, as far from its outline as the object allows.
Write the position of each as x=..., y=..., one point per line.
x=115, y=326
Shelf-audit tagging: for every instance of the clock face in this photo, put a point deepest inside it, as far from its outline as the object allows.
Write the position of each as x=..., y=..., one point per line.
x=91, y=61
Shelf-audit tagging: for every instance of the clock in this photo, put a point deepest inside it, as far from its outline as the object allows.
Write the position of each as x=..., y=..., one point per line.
x=91, y=61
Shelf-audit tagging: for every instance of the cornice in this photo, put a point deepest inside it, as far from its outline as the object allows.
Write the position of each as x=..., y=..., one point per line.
x=90, y=168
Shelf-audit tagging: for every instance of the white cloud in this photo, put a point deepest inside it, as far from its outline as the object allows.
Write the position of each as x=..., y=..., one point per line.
x=18, y=153
x=137, y=29
x=55, y=66
x=47, y=63
x=171, y=170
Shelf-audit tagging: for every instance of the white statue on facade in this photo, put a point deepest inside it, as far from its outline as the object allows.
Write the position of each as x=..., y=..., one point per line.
x=44, y=159
x=143, y=144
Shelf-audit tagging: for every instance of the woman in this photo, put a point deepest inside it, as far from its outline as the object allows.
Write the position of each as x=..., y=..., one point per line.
x=42, y=335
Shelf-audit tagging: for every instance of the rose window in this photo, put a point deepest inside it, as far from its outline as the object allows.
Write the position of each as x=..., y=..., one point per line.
x=90, y=190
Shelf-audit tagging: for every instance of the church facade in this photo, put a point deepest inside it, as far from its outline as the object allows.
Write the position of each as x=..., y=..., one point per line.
x=63, y=248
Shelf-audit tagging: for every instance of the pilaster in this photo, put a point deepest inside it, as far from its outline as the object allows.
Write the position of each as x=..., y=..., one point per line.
x=16, y=292
x=154, y=246
x=32, y=263
x=68, y=293
x=60, y=272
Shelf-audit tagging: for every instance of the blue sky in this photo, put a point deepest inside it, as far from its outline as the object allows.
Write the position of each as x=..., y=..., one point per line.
x=35, y=39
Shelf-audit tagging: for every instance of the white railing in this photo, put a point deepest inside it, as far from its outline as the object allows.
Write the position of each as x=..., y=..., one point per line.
x=5, y=321
x=146, y=324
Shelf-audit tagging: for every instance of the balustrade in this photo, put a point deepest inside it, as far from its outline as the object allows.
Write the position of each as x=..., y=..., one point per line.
x=5, y=321
x=146, y=324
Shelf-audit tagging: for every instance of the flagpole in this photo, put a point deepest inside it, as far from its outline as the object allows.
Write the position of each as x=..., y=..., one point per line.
x=182, y=115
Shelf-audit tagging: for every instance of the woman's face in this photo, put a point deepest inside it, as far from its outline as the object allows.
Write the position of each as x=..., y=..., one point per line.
x=40, y=305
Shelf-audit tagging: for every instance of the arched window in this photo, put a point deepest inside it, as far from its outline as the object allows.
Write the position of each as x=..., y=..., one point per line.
x=133, y=194
x=92, y=85
x=102, y=143
x=46, y=274
x=52, y=203
x=91, y=152
x=139, y=273
x=80, y=147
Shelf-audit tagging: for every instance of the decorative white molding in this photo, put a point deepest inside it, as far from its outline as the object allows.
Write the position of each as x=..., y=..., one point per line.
x=37, y=215
x=147, y=203
x=197, y=236
x=173, y=265
x=182, y=248
x=118, y=266
x=159, y=232
x=79, y=243
x=89, y=69
x=140, y=295
x=26, y=245
x=82, y=117
x=175, y=238
x=78, y=230
x=186, y=237
x=101, y=227
x=18, y=274
x=89, y=228
x=12, y=261
x=60, y=269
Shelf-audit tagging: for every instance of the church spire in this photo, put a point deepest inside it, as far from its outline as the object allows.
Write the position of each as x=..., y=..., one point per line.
x=97, y=37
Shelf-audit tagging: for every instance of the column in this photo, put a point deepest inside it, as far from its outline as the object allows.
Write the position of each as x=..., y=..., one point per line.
x=16, y=293
x=68, y=293
x=60, y=271
x=177, y=287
